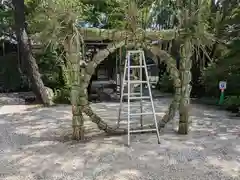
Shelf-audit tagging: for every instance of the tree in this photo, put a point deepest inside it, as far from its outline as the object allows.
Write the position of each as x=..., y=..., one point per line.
x=6, y=19
x=29, y=62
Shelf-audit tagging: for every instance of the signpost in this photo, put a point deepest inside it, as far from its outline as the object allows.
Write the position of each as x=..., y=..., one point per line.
x=222, y=87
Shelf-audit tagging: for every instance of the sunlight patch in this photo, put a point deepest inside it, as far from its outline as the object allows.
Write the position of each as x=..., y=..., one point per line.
x=128, y=174
x=230, y=167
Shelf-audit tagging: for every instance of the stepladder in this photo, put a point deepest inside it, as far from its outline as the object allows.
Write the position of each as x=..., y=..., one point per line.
x=135, y=63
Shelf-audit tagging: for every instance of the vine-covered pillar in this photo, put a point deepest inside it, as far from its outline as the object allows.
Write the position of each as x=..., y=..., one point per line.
x=185, y=76
x=75, y=73
x=86, y=73
x=174, y=75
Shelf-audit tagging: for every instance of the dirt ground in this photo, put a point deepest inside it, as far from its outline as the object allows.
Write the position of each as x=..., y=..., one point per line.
x=34, y=145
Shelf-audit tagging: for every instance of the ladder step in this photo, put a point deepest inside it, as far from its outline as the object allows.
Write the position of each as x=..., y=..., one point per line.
x=140, y=97
x=139, y=114
x=134, y=51
x=136, y=82
x=126, y=94
x=136, y=67
x=136, y=122
x=132, y=105
x=142, y=130
x=130, y=81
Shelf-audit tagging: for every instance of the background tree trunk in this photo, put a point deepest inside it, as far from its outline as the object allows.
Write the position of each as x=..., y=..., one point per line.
x=29, y=62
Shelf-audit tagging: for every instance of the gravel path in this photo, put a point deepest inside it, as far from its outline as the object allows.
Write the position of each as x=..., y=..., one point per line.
x=34, y=146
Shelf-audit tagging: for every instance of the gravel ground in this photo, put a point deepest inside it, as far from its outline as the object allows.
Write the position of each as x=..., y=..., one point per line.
x=34, y=146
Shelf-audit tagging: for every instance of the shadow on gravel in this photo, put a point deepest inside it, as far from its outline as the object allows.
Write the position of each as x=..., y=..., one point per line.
x=35, y=144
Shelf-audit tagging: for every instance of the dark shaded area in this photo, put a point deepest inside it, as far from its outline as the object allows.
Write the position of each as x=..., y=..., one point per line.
x=11, y=79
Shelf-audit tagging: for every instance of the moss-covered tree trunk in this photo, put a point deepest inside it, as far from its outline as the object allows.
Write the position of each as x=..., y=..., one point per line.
x=186, y=76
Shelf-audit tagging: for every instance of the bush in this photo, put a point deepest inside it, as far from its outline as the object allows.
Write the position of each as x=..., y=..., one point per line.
x=166, y=83
x=11, y=79
x=49, y=67
x=62, y=95
x=232, y=103
x=226, y=69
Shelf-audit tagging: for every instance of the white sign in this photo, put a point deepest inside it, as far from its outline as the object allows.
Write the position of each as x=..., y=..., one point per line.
x=222, y=85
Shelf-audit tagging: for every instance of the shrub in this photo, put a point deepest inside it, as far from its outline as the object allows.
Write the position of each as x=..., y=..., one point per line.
x=166, y=83
x=232, y=103
x=62, y=95
x=11, y=79
x=226, y=69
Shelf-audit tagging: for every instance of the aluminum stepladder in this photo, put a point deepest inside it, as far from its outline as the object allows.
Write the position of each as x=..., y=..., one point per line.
x=132, y=96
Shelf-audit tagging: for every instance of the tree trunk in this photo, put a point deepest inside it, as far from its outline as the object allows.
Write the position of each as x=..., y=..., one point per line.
x=185, y=75
x=28, y=60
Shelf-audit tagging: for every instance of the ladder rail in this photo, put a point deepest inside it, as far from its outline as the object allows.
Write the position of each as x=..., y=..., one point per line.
x=129, y=90
x=130, y=95
x=150, y=94
x=141, y=88
x=122, y=91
